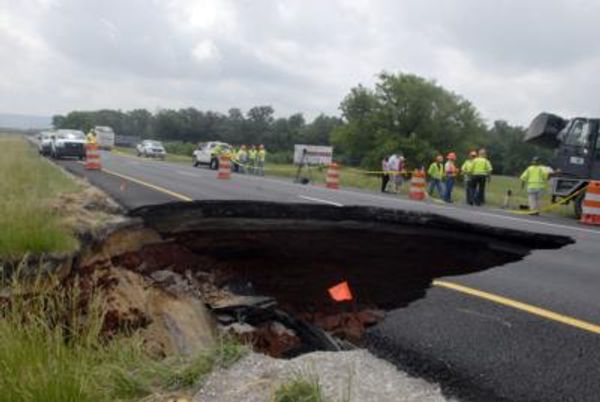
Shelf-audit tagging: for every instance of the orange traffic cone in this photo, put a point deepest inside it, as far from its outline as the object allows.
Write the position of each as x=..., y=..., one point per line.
x=417, y=186
x=92, y=157
x=591, y=204
x=333, y=176
x=224, y=168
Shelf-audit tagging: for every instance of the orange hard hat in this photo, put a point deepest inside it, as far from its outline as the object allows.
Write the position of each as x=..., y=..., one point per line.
x=451, y=156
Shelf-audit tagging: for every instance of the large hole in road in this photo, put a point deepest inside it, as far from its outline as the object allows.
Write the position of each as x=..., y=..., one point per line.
x=294, y=253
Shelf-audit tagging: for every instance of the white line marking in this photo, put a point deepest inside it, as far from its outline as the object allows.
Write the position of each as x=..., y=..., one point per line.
x=335, y=204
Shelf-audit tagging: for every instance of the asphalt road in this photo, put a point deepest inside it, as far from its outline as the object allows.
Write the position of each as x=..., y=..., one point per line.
x=526, y=331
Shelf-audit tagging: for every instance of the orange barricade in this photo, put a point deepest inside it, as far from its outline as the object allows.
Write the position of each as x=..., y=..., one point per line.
x=591, y=204
x=92, y=157
x=333, y=176
x=224, y=168
x=417, y=186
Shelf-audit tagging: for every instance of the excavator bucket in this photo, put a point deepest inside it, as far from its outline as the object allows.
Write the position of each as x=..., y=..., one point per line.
x=544, y=129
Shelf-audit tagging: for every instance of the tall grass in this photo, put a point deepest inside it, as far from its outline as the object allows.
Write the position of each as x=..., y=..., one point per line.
x=27, y=184
x=52, y=350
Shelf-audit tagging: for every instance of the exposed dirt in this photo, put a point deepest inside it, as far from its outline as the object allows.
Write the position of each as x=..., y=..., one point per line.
x=159, y=268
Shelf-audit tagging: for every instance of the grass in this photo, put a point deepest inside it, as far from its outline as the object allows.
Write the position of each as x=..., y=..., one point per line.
x=29, y=183
x=351, y=177
x=300, y=390
x=50, y=352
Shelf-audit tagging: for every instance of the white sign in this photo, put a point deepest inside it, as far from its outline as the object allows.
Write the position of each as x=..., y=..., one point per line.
x=576, y=160
x=313, y=154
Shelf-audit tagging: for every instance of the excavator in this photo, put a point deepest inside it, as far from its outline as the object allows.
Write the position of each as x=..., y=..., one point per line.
x=576, y=144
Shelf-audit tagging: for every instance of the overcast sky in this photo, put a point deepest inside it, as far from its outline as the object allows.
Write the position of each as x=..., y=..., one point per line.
x=512, y=59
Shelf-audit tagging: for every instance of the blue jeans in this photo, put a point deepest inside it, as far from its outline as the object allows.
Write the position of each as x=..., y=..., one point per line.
x=436, y=184
x=449, y=187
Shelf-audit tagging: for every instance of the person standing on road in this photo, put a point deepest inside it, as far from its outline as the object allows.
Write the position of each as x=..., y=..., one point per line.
x=398, y=178
x=252, y=153
x=261, y=157
x=385, y=177
x=242, y=159
x=465, y=169
x=481, y=172
x=90, y=137
x=535, y=178
x=436, y=174
x=450, y=171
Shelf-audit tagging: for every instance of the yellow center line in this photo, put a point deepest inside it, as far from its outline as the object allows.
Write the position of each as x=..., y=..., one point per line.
x=540, y=312
x=149, y=185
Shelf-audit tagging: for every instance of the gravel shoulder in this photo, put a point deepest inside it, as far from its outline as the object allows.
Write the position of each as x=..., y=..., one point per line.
x=343, y=376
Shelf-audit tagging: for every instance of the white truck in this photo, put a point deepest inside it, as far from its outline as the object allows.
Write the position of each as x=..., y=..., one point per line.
x=105, y=137
x=205, y=154
x=151, y=149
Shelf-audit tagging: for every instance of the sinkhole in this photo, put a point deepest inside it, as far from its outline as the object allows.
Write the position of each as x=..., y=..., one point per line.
x=294, y=253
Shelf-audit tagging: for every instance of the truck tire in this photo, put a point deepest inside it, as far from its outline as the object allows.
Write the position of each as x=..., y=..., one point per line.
x=214, y=164
x=196, y=163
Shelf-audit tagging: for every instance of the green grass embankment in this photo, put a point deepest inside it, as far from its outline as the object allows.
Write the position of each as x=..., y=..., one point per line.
x=27, y=186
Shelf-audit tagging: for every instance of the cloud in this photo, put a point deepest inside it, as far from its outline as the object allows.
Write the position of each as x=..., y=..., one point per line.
x=511, y=58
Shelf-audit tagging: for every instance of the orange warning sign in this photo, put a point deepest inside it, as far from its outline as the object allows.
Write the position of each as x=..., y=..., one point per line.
x=340, y=292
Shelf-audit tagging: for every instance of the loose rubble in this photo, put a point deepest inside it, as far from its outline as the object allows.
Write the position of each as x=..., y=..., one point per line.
x=353, y=376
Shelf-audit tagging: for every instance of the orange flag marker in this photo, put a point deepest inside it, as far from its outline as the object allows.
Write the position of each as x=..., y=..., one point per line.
x=340, y=292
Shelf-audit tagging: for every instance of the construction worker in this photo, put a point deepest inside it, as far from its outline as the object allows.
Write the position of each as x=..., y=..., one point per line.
x=242, y=159
x=480, y=173
x=252, y=154
x=90, y=137
x=436, y=174
x=398, y=178
x=385, y=177
x=535, y=177
x=465, y=169
x=450, y=171
x=261, y=157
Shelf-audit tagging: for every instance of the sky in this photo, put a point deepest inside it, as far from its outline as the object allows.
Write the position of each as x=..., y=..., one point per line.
x=511, y=58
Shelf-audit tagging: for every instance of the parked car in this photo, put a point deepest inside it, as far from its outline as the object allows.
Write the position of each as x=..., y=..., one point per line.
x=206, y=155
x=151, y=149
x=68, y=143
x=45, y=142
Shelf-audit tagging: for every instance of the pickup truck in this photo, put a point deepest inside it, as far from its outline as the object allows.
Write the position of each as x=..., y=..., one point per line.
x=206, y=155
x=68, y=143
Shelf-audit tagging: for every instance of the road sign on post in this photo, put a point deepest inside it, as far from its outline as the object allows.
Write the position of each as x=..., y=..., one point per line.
x=312, y=155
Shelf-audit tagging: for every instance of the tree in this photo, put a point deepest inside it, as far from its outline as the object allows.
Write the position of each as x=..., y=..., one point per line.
x=405, y=113
x=508, y=152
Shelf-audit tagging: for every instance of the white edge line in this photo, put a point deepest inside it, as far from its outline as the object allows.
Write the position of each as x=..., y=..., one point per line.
x=320, y=200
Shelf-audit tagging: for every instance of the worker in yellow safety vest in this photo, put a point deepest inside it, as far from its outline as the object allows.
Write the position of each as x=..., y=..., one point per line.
x=90, y=138
x=436, y=175
x=261, y=157
x=480, y=173
x=535, y=178
x=252, y=153
x=450, y=171
x=242, y=159
x=465, y=170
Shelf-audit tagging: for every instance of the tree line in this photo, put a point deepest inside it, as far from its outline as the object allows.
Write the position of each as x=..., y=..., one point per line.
x=257, y=126
x=402, y=113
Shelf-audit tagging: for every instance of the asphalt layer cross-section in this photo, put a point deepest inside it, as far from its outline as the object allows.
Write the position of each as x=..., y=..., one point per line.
x=476, y=349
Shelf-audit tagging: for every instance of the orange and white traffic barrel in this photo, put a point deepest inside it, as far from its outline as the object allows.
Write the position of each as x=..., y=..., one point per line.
x=333, y=176
x=417, y=186
x=224, y=168
x=92, y=157
x=590, y=211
